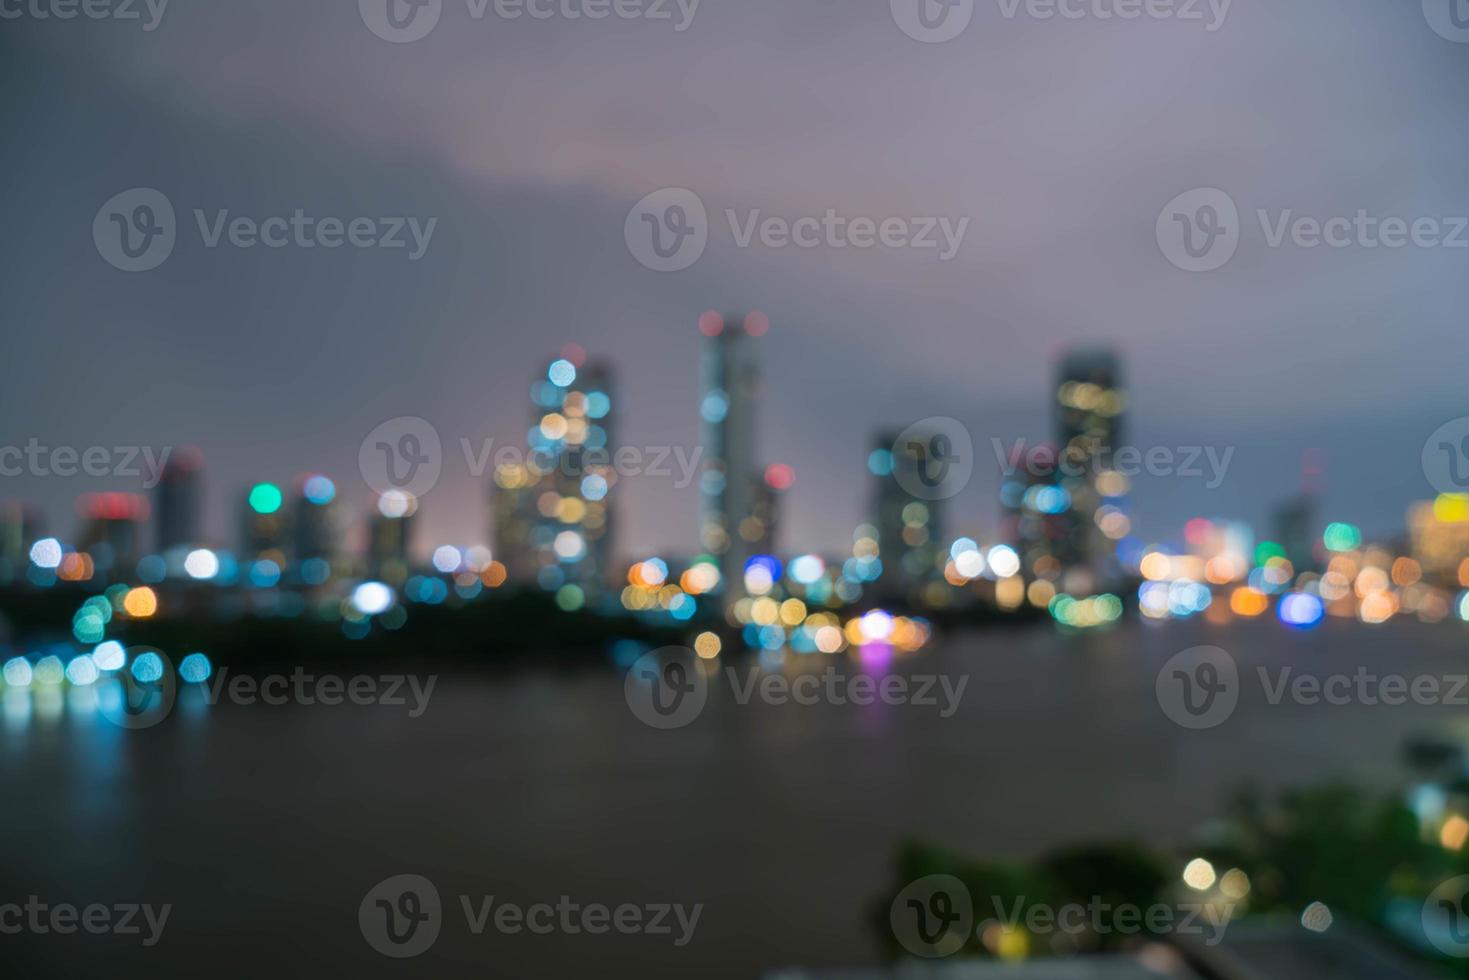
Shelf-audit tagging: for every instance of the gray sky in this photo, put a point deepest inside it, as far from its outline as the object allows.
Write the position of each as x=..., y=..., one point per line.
x=530, y=140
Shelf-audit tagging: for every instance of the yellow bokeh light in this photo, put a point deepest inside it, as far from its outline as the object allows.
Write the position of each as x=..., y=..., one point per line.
x=140, y=603
x=1155, y=566
x=1199, y=875
x=1451, y=508
x=1235, y=884
x=1455, y=833
x=707, y=645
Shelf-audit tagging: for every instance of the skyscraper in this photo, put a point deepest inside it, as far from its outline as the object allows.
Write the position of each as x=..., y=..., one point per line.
x=553, y=520
x=729, y=482
x=112, y=528
x=180, y=500
x=264, y=528
x=909, y=529
x=1090, y=405
x=18, y=528
x=390, y=536
x=315, y=528
x=761, y=530
x=1035, y=512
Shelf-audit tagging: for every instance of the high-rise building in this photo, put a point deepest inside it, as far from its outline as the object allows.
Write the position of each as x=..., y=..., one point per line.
x=316, y=529
x=1295, y=530
x=180, y=500
x=1034, y=512
x=18, y=529
x=729, y=481
x=909, y=528
x=553, y=519
x=512, y=503
x=265, y=525
x=1296, y=524
x=1089, y=410
x=112, y=529
x=390, y=536
x=761, y=530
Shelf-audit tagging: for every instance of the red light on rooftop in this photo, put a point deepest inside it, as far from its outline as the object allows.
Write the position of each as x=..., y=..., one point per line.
x=1197, y=531
x=779, y=476
x=187, y=458
x=711, y=324
x=757, y=324
x=113, y=506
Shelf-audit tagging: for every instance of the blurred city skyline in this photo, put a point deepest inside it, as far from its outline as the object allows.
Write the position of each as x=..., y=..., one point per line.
x=277, y=363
